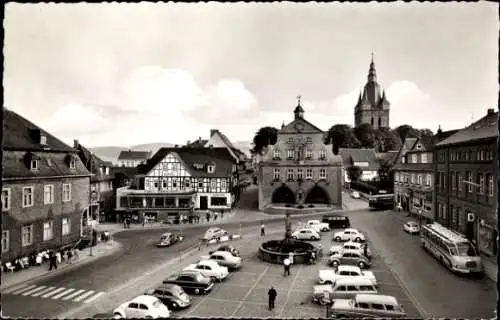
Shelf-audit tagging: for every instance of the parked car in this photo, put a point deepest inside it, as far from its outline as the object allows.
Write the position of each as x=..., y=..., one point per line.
x=350, y=245
x=349, y=234
x=306, y=234
x=214, y=233
x=336, y=221
x=209, y=268
x=329, y=276
x=355, y=195
x=229, y=248
x=343, y=288
x=191, y=281
x=169, y=238
x=411, y=227
x=367, y=305
x=349, y=257
x=171, y=295
x=319, y=226
x=143, y=306
x=224, y=258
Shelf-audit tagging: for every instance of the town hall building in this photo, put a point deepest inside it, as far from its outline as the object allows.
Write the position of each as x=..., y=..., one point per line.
x=300, y=170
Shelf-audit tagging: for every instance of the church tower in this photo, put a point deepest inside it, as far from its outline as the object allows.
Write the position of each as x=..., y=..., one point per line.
x=372, y=106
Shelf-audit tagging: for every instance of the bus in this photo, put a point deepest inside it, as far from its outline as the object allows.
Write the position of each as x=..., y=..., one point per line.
x=381, y=201
x=451, y=248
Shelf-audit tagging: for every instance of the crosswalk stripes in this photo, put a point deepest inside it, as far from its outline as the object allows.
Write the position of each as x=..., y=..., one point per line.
x=65, y=294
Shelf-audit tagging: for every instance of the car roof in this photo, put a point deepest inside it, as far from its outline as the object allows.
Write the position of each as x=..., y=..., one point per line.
x=352, y=243
x=353, y=281
x=168, y=286
x=222, y=252
x=344, y=267
x=207, y=261
x=351, y=229
x=376, y=298
x=213, y=228
x=144, y=299
x=412, y=222
x=188, y=272
x=166, y=233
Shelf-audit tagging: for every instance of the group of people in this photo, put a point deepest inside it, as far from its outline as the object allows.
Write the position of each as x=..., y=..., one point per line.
x=52, y=257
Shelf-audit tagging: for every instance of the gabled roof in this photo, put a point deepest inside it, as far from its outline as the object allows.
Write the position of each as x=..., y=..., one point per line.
x=197, y=144
x=351, y=155
x=134, y=155
x=307, y=127
x=93, y=163
x=21, y=134
x=388, y=156
x=484, y=128
x=193, y=157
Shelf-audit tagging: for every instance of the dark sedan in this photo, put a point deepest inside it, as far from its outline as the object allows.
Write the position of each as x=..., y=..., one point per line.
x=235, y=252
x=171, y=295
x=191, y=281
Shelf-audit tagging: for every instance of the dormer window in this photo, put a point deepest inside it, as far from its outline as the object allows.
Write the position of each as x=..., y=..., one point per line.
x=72, y=163
x=419, y=146
x=43, y=139
x=34, y=165
x=211, y=168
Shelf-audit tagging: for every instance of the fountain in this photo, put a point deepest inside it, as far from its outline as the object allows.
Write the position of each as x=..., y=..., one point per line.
x=275, y=251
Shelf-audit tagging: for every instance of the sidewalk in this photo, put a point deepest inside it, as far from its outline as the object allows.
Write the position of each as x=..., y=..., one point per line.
x=10, y=279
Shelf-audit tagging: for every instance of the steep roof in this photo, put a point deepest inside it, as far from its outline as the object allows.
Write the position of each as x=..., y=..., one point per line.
x=197, y=144
x=484, y=128
x=351, y=155
x=388, y=156
x=307, y=127
x=134, y=155
x=93, y=163
x=21, y=134
x=193, y=157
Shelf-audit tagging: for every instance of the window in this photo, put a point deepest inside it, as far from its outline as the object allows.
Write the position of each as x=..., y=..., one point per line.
x=424, y=158
x=276, y=154
x=66, y=192
x=66, y=226
x=309, y=154
x=428, y=180
x=412, y=178
x=299, y=174
x=290, y=174
x=309, y=173
x=420, y=179
x=34, y=165
x=459, y=181
x=27, y=197
x=454, y=217
x=72, y=163
x=5, y=240
x=396, y=177
x=213, y=185
x=290, y=154
x=490, y=185
x=322, y=154
x=5, y=199
x=480, y=180
x=290, y=140
x=276, y=173
x=469, y=179
x=48, y=194
x=322, y=173
x=223, y=185
x=413, y=158
x=43, y=139
x=309, y=140
x=210, y=168
x=452, y=179
x=27, y=235
x=47, y=230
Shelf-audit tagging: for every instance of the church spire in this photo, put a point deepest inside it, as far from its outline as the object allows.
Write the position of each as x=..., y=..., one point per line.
x=372, y=74
x=299, y=111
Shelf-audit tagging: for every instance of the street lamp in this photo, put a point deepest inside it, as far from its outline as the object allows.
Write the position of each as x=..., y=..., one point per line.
x=420, y=217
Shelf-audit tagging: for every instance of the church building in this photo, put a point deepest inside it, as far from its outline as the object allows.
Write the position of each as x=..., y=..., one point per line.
x=299, y=170
x=373, y=106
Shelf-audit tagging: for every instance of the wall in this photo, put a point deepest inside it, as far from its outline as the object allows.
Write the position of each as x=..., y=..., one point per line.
x=209, y=195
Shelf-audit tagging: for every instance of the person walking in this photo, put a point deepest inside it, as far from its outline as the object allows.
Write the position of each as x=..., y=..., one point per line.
x=52, y=261
x=69, y=254
x=272, y=297
x=286, y=266
x=262, y=230
x=215, y=215
x=222, y=214
x=208, y=216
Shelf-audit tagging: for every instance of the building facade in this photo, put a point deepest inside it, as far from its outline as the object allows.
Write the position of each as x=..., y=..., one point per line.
x=299, y=169
x=131, y=158
x=372, y=106
x=365, y=159
x=466, y=190
x=45, y=190
x=179, y=181
x=101, y=184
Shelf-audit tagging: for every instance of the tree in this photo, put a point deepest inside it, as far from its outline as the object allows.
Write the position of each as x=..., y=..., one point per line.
x=354, y=173
x=385, y=172
x=341, y=136
x=406, y=131
x=366, y=135
x=387, y=140
x=264, y=137
x=425, y=133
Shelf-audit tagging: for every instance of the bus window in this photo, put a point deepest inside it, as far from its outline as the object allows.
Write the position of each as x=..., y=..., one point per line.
x=466, y=249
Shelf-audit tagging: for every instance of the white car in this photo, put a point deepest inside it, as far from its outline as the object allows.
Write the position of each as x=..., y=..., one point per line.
x=318, y=226
x=349, y=234
x=355, y=195
x=350, y=245
x=329, y=276
x=210, y=269
x=214, y=233
x=224, y=258
x=143, y=306
x=305, y=234
x=411, y=227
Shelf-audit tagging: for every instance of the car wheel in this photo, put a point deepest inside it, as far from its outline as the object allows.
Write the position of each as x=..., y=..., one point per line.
x=361, y=265
x=174, y=305
x=335, y=263
x=337, y=239
x=358, y=239
x=294, y=237
x=314, y=238
x=197, y=291
x=117, y=315
x=214, y=279
x=328, y=282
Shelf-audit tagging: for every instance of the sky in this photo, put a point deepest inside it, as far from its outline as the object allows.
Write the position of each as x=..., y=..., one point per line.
x=126, y=74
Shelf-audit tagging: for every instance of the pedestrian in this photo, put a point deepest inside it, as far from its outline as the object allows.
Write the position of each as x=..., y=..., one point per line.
x=272, y=297
x=144, y=221
x=52, y=261
x=313, y=257
x=208, y=216
x=262, y=230
x=286, y=265
x=365, y=251
x=222, y=214
x=69, y=254
x=290, y=256
x=128, y=223
x=215, y=215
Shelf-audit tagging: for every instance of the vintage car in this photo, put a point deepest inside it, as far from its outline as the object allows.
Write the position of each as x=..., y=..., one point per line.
x=214, y=233
x=229, y=248
x=318, y=226
x=329, y=276
x=349, y=234
x=343, y=288
x=411, y=227
x=305, y=233
x=191, y=281
x=210, y=269
x=143, y=306
x=350, y=245
x=169, y=238
x=171, y=295
x=224, y=258
x=367, y=306
x=349, y=257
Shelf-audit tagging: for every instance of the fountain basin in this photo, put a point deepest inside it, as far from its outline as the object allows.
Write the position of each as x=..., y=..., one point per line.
x=276, y=251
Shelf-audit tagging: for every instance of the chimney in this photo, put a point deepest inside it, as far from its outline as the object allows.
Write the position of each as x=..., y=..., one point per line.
x=199, y=139
x=176, y=146
x=212, y=132
x=491, y=111
x=188, y=142
x=75, y=143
